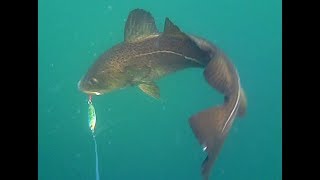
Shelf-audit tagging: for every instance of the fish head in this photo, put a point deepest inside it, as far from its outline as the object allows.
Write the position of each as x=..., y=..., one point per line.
x=92, y=85
x=97, y=82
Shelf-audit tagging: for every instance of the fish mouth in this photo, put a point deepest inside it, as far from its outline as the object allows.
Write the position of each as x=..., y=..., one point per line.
x=91, y=92
x=88, y=91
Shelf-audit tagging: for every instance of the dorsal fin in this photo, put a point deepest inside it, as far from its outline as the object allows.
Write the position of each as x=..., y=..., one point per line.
x=171, y=29
x=140, y=24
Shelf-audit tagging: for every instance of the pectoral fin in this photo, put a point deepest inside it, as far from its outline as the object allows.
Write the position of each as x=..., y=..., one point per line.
x=150, y=89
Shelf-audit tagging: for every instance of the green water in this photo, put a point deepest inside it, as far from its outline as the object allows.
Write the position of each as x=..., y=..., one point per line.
x=142, y=138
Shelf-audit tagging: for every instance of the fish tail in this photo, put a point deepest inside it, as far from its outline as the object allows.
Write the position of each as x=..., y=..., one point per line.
x=207, y=126
x=212, y=125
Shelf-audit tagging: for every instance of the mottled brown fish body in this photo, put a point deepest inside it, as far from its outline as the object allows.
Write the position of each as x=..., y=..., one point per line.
x=146, y=60
x=153, y=57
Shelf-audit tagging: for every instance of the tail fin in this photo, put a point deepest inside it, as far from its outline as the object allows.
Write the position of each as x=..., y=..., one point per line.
x=243, y=104
x=207, y=127
x=211, y=126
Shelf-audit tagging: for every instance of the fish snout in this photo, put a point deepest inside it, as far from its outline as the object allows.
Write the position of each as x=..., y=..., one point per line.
x=83, y=88
x=79, y=84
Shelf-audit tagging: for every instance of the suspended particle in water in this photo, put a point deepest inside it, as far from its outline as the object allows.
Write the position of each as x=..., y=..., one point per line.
x=49, y=110
x=108, y=109
x=78, y=155
x=235, y=130
x=51, y=68
x=221, y=171
x=55, y=88
x=109, y=7
x=53, y=130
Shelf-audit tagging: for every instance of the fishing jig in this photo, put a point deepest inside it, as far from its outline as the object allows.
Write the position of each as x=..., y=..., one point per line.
x=92, y=118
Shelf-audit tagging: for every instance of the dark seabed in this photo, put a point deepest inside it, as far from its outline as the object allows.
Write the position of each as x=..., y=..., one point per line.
x=142, y=138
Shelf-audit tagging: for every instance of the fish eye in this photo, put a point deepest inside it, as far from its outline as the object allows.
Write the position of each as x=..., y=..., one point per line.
x=93, y=81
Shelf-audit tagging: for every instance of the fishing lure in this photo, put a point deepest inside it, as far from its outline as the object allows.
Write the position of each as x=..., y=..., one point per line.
x=92, y=124
x=92, y=118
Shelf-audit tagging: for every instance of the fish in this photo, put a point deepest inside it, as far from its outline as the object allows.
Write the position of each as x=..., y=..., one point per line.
x=146, y=55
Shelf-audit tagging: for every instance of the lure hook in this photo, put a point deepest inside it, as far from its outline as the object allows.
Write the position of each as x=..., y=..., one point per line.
x=89, y=99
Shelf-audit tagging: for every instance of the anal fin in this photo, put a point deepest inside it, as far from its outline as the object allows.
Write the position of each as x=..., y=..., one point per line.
x=150, y=89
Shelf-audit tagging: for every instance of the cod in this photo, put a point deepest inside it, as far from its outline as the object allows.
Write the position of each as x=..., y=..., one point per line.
x=147, y=55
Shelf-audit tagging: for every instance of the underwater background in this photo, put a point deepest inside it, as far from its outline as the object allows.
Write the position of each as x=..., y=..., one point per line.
x=139, y=137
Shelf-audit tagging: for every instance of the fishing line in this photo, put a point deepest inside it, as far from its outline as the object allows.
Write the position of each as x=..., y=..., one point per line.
x=97, y=162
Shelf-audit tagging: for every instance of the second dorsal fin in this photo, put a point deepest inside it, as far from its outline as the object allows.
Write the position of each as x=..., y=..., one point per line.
x=171, y=29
